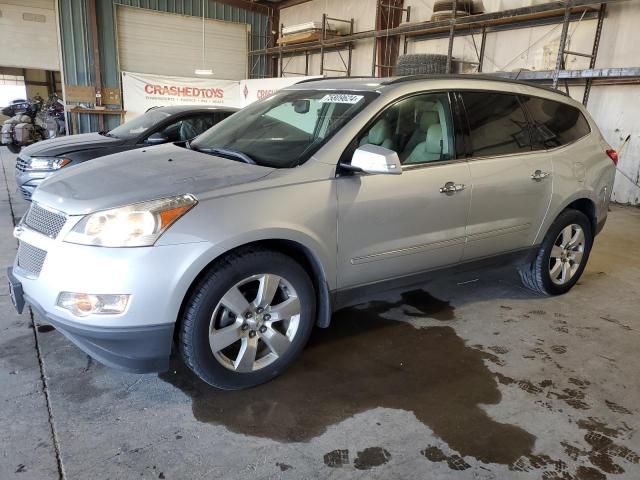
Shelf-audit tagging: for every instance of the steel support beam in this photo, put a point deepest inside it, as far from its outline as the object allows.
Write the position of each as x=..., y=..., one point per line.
x=93, y=28
x=452, y=35
x=594, y=52
x=562, y=44
x=483, y=44
x=593, y=73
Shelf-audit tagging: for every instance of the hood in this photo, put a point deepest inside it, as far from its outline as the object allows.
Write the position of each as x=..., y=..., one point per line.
x=72, y=143
x=140, y=175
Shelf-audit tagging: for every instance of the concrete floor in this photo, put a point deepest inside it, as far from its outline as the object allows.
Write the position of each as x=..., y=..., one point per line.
x=467, y=378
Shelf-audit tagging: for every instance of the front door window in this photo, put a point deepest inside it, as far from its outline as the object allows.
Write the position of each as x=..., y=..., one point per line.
x=418, y=128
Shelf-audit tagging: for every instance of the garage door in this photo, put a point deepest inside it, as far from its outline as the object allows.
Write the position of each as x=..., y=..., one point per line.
x=170, y=44
x=28, y=34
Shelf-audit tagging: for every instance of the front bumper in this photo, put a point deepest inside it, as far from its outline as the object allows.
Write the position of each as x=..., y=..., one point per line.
x=143, y=349
x=156, y=278
x=28, y=181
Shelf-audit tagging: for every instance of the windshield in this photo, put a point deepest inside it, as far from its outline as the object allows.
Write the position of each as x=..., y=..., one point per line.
x=285, y=129
x=139, y=125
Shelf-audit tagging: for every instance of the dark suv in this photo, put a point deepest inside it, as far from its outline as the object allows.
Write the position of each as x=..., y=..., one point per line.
x=158, y=125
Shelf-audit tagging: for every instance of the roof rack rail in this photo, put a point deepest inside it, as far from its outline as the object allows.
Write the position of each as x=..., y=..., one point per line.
x=307, y=80
x=470, y=76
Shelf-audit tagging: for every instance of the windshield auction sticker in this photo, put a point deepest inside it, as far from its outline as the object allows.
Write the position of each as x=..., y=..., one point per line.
x=341, y=98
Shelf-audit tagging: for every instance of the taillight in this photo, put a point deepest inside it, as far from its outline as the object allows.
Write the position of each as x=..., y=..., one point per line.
x=613, y=155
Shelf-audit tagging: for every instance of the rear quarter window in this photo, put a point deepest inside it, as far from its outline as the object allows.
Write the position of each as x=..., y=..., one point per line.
x=554, y=123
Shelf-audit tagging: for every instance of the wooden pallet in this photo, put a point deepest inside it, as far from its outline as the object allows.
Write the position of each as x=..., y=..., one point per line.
x=308, y=36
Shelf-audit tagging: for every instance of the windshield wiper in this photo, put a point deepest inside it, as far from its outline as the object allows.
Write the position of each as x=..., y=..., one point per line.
x=224, y=152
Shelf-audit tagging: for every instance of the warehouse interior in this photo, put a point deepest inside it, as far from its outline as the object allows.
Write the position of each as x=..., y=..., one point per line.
x=466, y=376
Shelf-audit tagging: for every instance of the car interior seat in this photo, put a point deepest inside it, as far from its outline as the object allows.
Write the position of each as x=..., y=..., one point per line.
x=379, y=134
x=427, y=118
x=192, y=128
x=429, y=150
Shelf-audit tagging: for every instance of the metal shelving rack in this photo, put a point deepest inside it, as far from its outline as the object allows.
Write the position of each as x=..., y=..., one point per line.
x=321, y=46
x=563, y=12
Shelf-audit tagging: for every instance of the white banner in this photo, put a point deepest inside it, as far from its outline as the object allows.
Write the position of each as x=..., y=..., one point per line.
x=141, y=91
x=258, y=88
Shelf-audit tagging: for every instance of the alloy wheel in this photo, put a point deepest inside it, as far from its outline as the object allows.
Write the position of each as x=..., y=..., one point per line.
x=566, y=254
x=254, y=323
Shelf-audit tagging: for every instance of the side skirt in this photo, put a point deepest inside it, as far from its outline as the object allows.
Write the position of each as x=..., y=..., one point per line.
x=362, y=293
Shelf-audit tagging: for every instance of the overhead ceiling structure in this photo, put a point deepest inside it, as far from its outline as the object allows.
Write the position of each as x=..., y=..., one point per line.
x=281, y=3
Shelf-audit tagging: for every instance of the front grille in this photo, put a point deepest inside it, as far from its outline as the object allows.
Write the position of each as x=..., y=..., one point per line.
x=21, y=164
x=44, y=221
x=30, y=258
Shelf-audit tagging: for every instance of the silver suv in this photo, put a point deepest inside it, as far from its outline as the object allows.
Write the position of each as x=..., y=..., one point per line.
x=235, y=245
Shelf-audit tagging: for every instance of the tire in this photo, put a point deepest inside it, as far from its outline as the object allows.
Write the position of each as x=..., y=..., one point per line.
x=462, y=6
x=538, y=276
x=206, y=309
x=14, y=147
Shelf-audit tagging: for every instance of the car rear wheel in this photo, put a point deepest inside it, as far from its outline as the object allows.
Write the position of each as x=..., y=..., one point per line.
x=562, y=257
x=247, y=319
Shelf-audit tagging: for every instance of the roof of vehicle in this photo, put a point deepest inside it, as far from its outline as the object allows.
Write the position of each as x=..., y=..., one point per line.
x=377, y=84
x=175, y=109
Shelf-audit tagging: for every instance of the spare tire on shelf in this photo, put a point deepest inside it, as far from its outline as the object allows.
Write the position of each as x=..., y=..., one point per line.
x=421, y=64
x=477, y=7
x=436, y=17
x=447, y=6
x=444, y=9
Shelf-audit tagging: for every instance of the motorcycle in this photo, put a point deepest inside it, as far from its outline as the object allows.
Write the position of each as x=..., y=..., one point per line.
x=55, y=116
x=24, y=127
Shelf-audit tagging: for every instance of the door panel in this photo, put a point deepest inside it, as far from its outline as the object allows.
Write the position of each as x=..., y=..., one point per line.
x=395, y=225
x=507, y=205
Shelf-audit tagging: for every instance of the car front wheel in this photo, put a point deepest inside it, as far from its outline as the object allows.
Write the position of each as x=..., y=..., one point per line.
x=562, y=257
x=247, y=319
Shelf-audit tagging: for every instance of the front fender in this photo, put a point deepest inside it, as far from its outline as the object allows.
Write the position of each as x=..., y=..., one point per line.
x=312, y=246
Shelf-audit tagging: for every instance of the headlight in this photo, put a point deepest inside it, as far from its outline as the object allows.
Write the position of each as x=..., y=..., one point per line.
x=136, y=225
x=47, y=163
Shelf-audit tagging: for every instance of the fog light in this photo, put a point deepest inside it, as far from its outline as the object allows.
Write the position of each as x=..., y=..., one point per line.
x=83, y=304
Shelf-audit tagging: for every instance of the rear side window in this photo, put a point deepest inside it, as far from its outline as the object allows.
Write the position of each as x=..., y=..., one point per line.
x=554, y=123
x=497, y=124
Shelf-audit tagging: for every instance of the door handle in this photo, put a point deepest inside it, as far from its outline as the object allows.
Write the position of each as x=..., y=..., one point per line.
x=451, y=188
x=539, y=175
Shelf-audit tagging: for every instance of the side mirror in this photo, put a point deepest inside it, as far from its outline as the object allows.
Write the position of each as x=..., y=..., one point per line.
x=156, y=139
x=376, y=159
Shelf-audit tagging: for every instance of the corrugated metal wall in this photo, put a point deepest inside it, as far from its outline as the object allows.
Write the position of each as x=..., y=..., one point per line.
x=77, y=46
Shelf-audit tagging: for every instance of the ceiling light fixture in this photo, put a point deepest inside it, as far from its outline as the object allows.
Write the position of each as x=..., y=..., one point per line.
x=203, y=71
